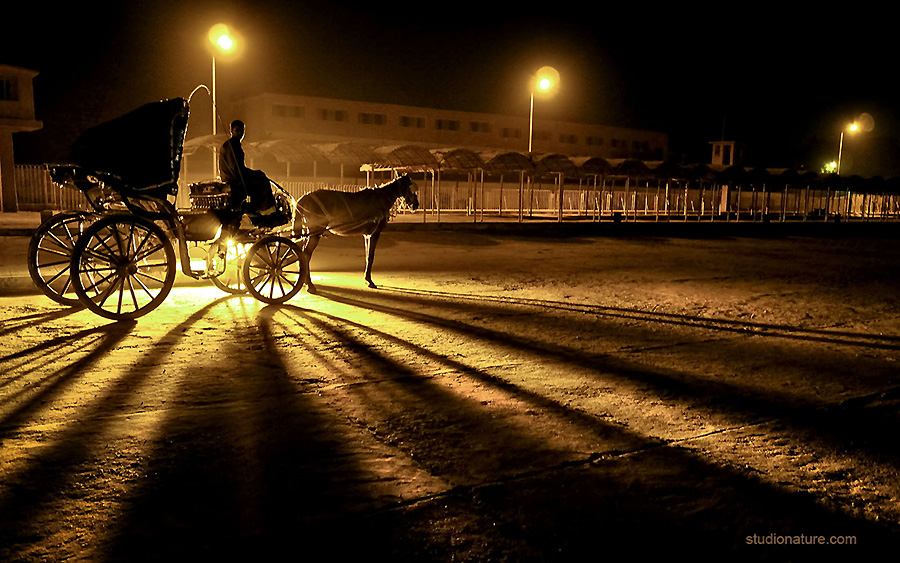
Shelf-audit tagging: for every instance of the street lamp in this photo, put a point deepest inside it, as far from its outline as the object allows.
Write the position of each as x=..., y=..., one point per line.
x=853, y=128
x=222, y=41
x=543, y=82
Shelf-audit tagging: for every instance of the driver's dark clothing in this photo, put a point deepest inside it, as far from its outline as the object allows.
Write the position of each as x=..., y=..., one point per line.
x=244, y=181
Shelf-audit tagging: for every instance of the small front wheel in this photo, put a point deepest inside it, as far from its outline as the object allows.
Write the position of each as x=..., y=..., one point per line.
x=273, y=269
x=123, y=267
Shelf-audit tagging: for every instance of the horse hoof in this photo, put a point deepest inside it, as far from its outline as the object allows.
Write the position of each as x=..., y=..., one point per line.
x=311, y=289
x=372, y=285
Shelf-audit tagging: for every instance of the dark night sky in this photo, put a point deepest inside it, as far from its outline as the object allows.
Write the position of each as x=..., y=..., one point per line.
x=782, y=83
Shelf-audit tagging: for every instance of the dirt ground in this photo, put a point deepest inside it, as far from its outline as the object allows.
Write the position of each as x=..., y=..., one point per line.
x=502, y=398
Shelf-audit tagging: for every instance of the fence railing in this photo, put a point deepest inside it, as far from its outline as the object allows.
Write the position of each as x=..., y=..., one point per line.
x=614, y=200
x=37, y=192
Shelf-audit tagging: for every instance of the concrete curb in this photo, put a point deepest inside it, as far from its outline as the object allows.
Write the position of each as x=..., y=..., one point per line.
x=630, y=228
x=661, y=229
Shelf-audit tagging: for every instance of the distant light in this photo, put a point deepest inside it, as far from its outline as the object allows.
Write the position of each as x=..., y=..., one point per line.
x=544, y=83
x=830, y=166
x=854, y=126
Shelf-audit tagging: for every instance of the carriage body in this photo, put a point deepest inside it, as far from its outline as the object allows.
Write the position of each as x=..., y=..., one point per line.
x=119, y=259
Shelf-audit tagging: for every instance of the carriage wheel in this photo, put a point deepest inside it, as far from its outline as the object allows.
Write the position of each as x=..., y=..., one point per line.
x=50, y=253
x=273, y=270
x=232, y=279
x=123, y=267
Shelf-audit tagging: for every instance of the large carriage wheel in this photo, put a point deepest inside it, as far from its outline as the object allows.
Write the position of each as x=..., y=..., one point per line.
x=50, y=253
x=123, y=267
x=232, y=279
x=273, y=269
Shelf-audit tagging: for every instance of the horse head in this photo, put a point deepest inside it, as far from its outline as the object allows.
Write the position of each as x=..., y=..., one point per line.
x=408, y=190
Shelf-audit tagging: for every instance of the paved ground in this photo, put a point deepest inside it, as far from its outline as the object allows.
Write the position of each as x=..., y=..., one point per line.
x=503, y=396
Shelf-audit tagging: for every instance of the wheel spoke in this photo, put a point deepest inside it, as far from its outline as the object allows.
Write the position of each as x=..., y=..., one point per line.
x=58, y=241
x=110, y=289
x=49, y=264
x=146, y=275
x=69, y=234
x=131, y=289
x=137, y=248
x=146, y=289
x=110, y=257
x=57, y=276
x=121, y=293
x=96, y=283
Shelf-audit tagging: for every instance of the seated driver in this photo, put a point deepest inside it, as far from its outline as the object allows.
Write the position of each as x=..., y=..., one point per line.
x=244, y=181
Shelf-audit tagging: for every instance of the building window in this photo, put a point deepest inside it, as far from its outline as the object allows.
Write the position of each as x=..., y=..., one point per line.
x=509, y=133
x=9, y=88
x=593, y=141
x=333, y=115
x=410, y=121
x=568, y=139
x=479, y=127
x=372, y=118
x=542, y=135
x=282, y=110
x=446, y=125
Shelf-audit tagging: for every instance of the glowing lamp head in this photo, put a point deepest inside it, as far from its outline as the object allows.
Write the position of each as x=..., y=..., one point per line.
x=853, y=127
x=224, y=42
x=546, y=80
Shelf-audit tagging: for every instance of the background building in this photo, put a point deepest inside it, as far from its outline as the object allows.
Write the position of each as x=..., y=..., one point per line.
x=16, y=114
x=279, y=125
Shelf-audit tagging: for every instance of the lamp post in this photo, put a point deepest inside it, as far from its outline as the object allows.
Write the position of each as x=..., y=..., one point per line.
x=544, y=81
x=222, y=40
x=853, y=127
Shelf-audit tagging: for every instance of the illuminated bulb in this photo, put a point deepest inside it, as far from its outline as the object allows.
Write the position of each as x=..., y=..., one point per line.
x=544, y=84
x=225, y=42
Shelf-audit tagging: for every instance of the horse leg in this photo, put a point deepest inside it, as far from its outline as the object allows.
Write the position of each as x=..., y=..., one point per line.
x=311, y=243
x=371, y=241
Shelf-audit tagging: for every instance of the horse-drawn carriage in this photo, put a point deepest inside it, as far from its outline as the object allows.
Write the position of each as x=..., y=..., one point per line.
x=119, y=259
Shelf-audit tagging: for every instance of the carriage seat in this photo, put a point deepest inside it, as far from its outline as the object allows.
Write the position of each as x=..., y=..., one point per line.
x=215, y=195
x=229, y=204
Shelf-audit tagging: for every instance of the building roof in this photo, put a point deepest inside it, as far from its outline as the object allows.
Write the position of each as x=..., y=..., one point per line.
x=414, y=158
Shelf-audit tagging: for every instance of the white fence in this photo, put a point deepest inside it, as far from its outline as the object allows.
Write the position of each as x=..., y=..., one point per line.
x=37, y=192
x=613, y=199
